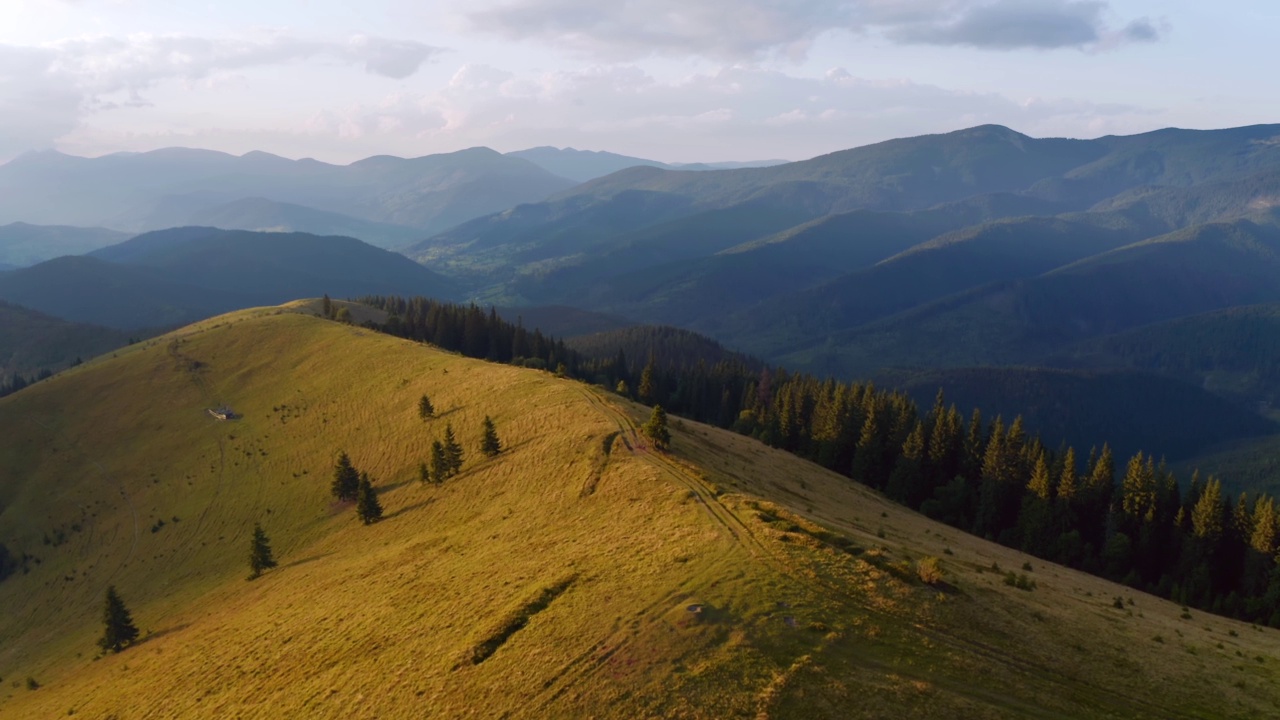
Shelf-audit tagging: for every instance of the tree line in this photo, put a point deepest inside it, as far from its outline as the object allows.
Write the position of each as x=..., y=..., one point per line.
x=1136, y=524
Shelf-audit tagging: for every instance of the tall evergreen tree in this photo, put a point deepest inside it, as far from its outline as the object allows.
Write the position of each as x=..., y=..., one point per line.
x=119, y=631
x=260, y=557
x=648, y=390
x=489, y=443
x=367, y=506
x=346, y=479
x=452, y=451
x=439, y=464
x=425, y=408
x=326, y=306
x=656, y=428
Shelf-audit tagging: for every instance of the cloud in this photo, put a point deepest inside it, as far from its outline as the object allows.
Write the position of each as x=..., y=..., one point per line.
x=749, y=29
x=1014, y=24
x=705, y=116
x=45, y=92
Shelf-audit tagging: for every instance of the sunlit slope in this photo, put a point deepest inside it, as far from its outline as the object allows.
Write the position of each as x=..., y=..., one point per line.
x=555, y=580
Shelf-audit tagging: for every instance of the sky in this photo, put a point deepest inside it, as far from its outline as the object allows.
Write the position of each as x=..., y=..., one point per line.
x=670, y=80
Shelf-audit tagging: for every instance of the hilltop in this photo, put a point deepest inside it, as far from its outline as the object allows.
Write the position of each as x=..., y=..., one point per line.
x=578, y=573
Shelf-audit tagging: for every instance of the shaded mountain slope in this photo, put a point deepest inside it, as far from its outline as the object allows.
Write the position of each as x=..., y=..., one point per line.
x=22, y=244
x=1234, y=352
x=1130, y=410
x=31, y=341
x=173, y=277
x=263, y=215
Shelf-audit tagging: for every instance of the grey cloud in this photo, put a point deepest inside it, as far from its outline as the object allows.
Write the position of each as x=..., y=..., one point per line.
x=736, y=29
x=1014, y=24
x=397, y=59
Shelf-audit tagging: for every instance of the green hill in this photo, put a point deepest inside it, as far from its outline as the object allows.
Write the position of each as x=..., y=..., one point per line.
x=576, y=574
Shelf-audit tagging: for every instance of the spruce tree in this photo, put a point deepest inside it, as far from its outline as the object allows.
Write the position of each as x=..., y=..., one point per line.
x=439, y=466
x=489, y=444
x=120, y=631
x=656, y=429
x=648, y=390
x=326, y=305
x=346, y=479
x=452, y=451
x=260, y=557
x=367, y=506
x=425, y=408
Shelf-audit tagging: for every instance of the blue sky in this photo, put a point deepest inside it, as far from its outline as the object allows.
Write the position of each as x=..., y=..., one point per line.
x=674, y=80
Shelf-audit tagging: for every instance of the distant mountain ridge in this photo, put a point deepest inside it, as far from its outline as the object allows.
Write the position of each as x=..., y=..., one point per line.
x=23, y=244
x=584, y=165
x=121, y=191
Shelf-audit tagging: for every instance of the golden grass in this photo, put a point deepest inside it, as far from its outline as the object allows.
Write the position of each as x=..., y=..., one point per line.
x=587, y=574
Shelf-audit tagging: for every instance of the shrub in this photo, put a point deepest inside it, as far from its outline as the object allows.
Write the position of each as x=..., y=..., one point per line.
x=930, y=570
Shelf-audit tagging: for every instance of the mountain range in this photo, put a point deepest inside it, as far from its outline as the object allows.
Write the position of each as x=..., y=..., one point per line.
x=927, y=260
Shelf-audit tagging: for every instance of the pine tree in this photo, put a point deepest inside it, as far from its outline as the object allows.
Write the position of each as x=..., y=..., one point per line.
x=425, y=408
x=648, y=389
x=367, y=506
x=656, y=429
x=326, y=305
x=346, y=479
x=489, y=444
x=120, y=631
x=439, y=465
x=452, y=451
x=260, y=557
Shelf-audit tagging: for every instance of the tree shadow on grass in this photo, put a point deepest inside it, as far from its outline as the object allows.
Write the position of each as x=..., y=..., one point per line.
x=410, y=508
x=166, y=631
x=305, y=560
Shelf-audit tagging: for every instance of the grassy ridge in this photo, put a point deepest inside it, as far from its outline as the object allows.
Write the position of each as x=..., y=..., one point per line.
x=723, y=580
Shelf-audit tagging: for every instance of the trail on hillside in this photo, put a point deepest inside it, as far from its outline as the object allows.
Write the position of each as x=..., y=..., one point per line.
x=191, y=366
x=718, y=512
x=596, y=657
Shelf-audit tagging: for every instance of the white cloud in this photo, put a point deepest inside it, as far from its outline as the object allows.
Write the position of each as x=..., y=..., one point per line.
x=741, y=29
x=45, y=92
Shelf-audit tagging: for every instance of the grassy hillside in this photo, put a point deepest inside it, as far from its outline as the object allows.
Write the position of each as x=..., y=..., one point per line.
x=577, y=574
